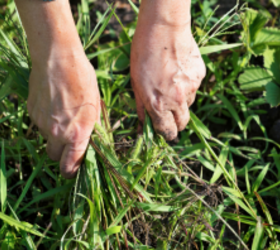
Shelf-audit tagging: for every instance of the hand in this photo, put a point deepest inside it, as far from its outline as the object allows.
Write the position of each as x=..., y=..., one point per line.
x=166, y=71
x=64, y=103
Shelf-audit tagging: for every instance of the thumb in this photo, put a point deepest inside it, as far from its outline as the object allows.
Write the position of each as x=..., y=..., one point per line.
x=72, y=157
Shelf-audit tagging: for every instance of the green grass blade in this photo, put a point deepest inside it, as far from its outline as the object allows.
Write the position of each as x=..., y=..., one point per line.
x=268, y=216
x=29, y=182
x=3, y=179
x=258, y=238
x=23, y=226
x=14, y=49
x=134, y=7
x=201, y=127
x=260, y=178
x=47, y=194
x=242, y=205
x=121, y=214
x=100, y=31
x=232, y=110
x=218, y=171
x=217, y=48
x=148, y=131
x=28, y=239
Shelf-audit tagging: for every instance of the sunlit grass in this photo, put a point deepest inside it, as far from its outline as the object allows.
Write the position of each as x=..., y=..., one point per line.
x=209, y=191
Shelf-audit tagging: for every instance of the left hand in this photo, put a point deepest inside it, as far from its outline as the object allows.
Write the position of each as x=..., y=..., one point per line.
x=166, y=71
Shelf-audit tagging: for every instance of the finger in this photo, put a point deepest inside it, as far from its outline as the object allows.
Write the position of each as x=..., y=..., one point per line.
x=164, y=124
x=140, y=111
x=182, y=117
x=72, y=157
x=54, y=149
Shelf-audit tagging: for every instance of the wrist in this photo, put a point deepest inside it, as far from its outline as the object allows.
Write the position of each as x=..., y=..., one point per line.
x=57, y=47
x=58, y=38
x=169, y=13
x=50, y=30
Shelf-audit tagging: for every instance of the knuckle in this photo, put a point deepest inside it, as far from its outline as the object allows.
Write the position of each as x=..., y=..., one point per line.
x=155, y=105
x=193, y=87
x=180, y=97
x=168, y=135
x=54, y=130
x=77, y=133
x=156, y=100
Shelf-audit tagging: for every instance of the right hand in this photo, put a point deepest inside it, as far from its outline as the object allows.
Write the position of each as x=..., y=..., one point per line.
x=64, y=103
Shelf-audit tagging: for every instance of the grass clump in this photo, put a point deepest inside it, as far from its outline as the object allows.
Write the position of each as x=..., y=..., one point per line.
x=217, y=188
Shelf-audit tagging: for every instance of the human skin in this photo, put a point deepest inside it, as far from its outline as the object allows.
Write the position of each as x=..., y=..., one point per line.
x=64, y=101
x=166, y=65
x=63, y=96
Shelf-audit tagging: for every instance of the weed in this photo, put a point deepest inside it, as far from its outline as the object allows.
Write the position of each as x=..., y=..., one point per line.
x=217, y=188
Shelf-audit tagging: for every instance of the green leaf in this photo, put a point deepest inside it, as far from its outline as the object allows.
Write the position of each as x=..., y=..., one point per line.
x=6, y=86
x=273, y=94
x=276, y=158
x=204, y=237
x=121, y=214
x=272, y=62
x=218, y=171
x=148, y=207
x=211, y=151
x=269, y=36
x=231, y=191
x=119, y=167
x=253, y=21
x=29, y=241
x=232, y=110
x=254, y=79
x=29, y=182
x=95, y=36
x=92, y=214
x=201, y=127
x=14, y=49
x=23, y=226
x=9, y=241
x=148, y=131
x=217, y=48
x=276, y=3
x=137, y=149
x=113, y=230
x=48, y=194
x=242, y=205
x=259, y=232
x=3, y=179
x=134, y=7
x=147, y=164
x=260, y=178
x=265, y=209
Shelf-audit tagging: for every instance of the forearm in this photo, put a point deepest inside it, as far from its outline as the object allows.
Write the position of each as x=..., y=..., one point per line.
x=50, y=28
x=166, y=12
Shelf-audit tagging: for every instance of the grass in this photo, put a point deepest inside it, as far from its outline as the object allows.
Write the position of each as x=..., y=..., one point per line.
x=217, y=188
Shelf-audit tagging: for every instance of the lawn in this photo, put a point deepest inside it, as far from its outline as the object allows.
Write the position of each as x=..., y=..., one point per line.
x=216, y=187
